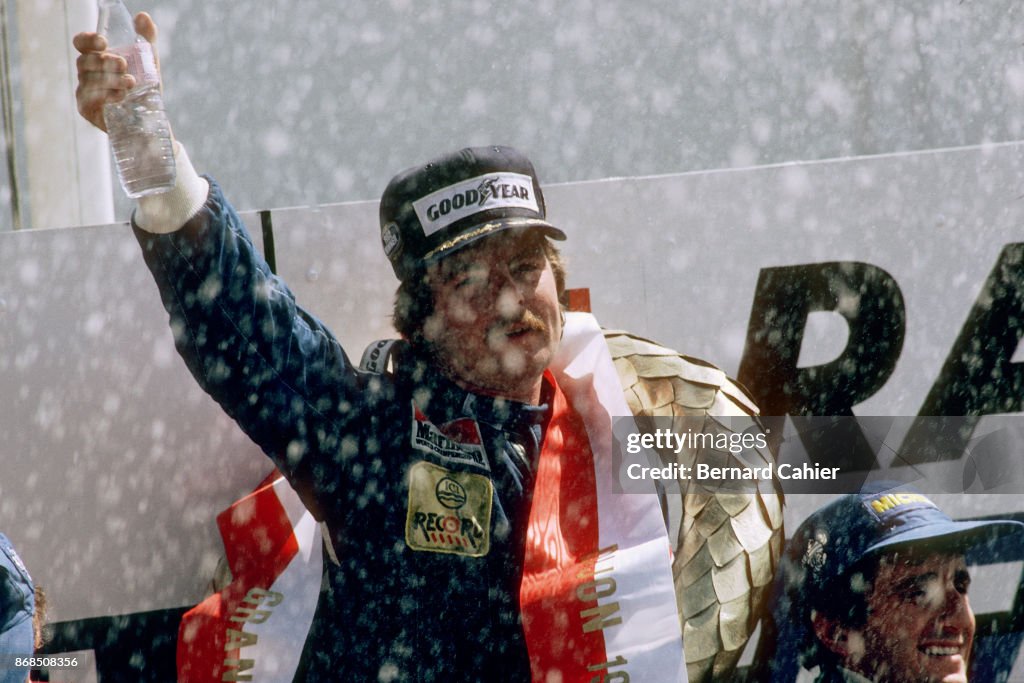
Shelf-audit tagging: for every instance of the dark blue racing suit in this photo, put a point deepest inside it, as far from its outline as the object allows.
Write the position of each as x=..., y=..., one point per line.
x=428, y=580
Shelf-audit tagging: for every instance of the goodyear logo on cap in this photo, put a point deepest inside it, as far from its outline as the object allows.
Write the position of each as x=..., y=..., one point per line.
x=895, y=503
x=490, y=191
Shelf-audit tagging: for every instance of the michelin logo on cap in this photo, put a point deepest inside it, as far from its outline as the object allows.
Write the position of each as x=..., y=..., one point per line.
x=448, y=205
x=889, y=504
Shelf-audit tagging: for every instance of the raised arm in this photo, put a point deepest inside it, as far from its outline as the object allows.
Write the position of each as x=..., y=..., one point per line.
x=273, y=367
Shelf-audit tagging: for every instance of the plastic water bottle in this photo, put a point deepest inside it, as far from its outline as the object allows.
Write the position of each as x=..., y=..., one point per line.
x=140, y=135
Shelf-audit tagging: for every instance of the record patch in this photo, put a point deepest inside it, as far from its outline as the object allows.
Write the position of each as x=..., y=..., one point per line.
x=449, y=511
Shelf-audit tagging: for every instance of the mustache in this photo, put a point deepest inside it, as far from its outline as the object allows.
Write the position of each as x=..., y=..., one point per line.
x=527, y=322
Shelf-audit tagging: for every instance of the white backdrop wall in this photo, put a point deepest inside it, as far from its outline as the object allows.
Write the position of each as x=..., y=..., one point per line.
x=308, y=102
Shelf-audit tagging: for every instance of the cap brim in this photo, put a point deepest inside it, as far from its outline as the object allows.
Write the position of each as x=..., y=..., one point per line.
x=464, y=239
x=950, y=536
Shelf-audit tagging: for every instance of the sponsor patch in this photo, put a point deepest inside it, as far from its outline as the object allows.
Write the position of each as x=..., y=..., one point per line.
x=449, y=512
x=440, y=209
x=390, y=237
x=457, y=442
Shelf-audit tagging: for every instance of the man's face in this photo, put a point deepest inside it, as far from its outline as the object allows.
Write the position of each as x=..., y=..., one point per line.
x=496, y=322
x=920, y=626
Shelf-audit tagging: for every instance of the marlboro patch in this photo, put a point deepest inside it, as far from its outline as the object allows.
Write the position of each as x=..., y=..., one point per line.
x=449, y=512
x=457, y=442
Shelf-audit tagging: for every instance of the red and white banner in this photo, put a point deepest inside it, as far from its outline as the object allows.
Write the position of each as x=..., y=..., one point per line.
x=255, y=628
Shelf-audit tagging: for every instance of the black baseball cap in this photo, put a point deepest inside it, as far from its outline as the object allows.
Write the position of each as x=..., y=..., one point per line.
x=429, y=211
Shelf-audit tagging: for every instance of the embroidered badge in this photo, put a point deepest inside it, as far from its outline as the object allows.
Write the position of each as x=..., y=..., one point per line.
x=449, y=512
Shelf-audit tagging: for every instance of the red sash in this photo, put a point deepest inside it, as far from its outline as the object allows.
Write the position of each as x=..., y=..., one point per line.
x=597, y=599
x=559, y=618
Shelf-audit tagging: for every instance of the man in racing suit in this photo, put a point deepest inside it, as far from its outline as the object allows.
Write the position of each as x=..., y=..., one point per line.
x=424, y=476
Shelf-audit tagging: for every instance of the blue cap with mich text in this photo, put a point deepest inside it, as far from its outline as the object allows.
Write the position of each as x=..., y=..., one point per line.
x=881, y=518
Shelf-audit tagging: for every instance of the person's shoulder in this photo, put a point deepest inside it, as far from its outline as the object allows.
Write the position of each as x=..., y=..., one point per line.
x=659, y=381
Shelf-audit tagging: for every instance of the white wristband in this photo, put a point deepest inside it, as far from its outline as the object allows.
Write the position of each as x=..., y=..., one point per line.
x=169, y=211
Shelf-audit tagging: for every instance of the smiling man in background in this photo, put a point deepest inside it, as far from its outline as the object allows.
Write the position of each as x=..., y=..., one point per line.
x=874, y=587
